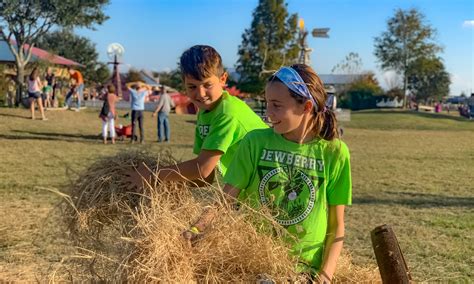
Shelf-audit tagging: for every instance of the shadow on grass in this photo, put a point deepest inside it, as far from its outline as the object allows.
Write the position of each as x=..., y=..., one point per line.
x=15, y=115
x=416, y=113
x=49, y=136
x=417, y=200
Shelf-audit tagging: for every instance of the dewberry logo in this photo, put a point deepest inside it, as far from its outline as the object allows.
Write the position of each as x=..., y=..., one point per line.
x=289, y=192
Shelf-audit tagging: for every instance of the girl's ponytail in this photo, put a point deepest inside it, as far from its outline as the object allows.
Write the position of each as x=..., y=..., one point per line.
x=329, y=130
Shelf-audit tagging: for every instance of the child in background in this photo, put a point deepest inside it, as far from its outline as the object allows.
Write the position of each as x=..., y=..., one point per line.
x=299, y=169
x=108, y=114
x=34, y=93
x=222, y=121
x=47, y=91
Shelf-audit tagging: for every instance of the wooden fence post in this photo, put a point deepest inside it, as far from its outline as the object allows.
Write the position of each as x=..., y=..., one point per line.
x=392, y=265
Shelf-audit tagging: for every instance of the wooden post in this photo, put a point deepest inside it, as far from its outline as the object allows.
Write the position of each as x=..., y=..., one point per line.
x=392, y=265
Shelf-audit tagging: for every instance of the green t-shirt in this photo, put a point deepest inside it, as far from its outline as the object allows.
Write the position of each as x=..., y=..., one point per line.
x=296, y=182
x=223, y=127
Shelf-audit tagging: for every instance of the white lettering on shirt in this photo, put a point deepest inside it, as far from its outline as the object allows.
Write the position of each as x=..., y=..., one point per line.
x=292, y=159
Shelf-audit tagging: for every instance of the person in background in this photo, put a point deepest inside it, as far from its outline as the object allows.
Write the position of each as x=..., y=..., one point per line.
x=108, y=113
x=165, y=103
x=51, y=79
x=138, y=96
x=77, y=87
x=47, y=91
x=34, y=93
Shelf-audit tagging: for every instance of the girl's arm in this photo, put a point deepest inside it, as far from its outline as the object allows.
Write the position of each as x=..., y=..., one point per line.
x=334, y=241
x=209, y=214
x=111, y=100
x=40, y=84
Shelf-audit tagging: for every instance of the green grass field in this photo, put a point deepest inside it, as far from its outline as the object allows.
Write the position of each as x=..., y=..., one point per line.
x=412, y=171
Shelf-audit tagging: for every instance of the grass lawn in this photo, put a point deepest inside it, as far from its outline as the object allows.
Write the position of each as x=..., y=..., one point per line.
x=412, y=171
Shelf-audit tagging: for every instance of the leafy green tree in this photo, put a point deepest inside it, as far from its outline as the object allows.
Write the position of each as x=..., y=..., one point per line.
x=428, y=78
x=78, y=48
x=394, y=92
x=408, y=38
x=172, y=79
x=101, y=73
x=133, y=75
x=362, y=93
x=25, y=21
x=270, y=42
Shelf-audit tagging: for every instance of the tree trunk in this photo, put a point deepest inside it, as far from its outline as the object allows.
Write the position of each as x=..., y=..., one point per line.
x=20, y=80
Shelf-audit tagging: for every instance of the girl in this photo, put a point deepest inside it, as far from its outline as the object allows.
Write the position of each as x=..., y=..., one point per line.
x=299, y=169
x=34, y=93
x=108, y=114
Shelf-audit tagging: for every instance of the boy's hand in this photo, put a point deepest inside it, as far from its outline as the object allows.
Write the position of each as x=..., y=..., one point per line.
x=138, y=176
x=153, y=114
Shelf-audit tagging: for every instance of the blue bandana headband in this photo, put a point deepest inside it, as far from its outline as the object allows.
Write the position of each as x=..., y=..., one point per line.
x=294, y=82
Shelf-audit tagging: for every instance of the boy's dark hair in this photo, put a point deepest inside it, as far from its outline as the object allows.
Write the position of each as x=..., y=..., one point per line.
x=200, y=62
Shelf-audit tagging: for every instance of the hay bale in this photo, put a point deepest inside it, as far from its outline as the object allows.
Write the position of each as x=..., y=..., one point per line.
x=127, y=236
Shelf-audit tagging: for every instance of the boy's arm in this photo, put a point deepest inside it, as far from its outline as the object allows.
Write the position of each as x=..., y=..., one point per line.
x=334, y=242
x=198, y=168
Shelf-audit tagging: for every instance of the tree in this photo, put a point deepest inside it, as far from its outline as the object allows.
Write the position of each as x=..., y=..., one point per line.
x=351, y=65
x=407, y=39
x=428, y=78
x=22, y=22
x=101, y=73
x=80, y=49
x=270, y=42
x=134, y=75
x=362, y=92
x=172, y=79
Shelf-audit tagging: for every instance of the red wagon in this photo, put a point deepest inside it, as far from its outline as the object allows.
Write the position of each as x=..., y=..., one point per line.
x=123, y=131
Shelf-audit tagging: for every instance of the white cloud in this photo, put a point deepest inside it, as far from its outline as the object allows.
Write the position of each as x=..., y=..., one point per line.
x=468, y=24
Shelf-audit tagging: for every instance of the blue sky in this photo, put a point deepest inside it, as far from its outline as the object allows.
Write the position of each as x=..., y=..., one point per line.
x=155, y=32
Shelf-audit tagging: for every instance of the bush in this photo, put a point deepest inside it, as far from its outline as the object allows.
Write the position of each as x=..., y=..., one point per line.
x=362, y=94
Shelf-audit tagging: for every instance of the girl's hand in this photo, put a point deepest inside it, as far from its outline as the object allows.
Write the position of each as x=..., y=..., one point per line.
x=191, y=234
x=323, y=278
x=202, y=224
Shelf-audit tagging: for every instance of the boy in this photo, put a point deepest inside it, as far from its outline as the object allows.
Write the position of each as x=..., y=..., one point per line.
x=138, y=96
x=222, y=120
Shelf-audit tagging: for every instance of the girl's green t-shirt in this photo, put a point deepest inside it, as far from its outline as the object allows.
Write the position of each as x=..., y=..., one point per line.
x=224, y=127
x=297, y=182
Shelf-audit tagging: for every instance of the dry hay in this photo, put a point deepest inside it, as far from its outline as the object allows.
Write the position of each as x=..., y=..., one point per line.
x=128, y=236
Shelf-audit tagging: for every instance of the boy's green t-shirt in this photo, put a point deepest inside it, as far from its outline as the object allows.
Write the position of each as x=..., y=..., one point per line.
x=296, y=182
x=223, y=128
